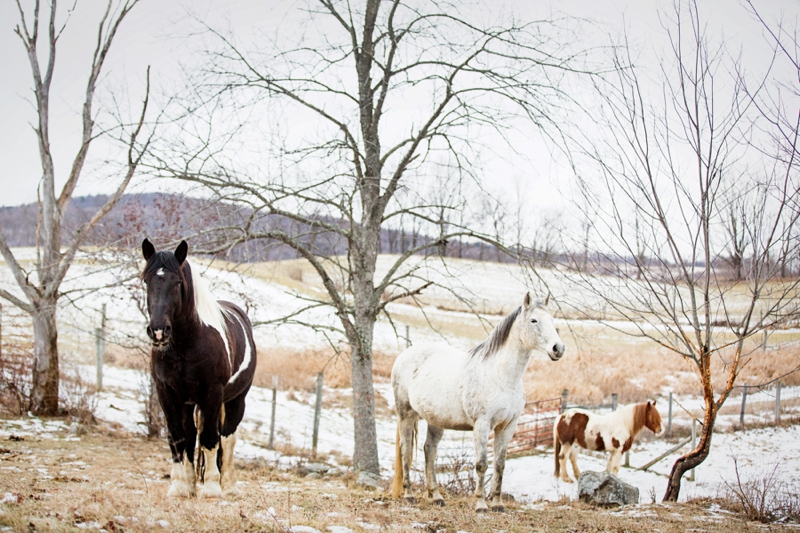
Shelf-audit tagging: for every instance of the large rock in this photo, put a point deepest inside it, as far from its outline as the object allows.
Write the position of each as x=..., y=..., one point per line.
x=602, y=488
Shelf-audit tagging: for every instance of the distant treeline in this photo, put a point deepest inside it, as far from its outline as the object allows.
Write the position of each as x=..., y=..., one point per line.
x=211, y=225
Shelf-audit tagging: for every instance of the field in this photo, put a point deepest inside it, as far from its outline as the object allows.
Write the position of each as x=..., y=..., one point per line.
x=56, y=480
x=81, y=472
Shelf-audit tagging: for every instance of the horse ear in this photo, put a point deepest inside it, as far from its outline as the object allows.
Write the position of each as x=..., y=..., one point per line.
x=181, y=251
x=148, y=249
x=526, y=303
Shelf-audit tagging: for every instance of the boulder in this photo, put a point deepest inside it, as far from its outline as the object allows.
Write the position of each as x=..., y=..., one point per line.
x=319, y=468
x=602, y=488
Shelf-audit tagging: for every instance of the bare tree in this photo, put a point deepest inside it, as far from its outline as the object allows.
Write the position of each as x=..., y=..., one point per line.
x=659, y=209
x=39, y=32
x=390, y=88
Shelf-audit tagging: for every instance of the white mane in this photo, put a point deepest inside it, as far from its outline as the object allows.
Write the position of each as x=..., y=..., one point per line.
x=208, y=310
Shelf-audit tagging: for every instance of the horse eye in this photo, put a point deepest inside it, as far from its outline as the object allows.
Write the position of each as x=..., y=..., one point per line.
x=534, y=321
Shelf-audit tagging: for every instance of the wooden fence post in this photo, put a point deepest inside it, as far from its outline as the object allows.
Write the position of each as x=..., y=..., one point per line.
x=669, y=417
x=614, y=401
x=100, y=347
x=744, y=402
x=564, y=394
x=271, y=444
x=317, y=413
x=778, y=401
x=694, y=444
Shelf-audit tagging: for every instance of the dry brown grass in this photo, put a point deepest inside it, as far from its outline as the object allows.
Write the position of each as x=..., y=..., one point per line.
x=297, y=369
x=119, y=483
x=636, y=374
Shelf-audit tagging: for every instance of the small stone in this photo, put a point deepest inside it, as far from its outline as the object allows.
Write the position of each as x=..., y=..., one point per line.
x=368, y=480
x=319, y=468
x=604, y=489
x=313, y=475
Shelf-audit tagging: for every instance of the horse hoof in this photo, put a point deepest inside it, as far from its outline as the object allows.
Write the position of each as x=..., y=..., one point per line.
x=566, y=480
x=410, y=499
x=481, y=507
x=499, y=508
x=438, y=502
x=180, y=489
x=210, y=490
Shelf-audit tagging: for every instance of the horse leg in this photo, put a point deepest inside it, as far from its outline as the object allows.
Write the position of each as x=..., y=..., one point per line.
x=613, y=462
x=480, y=433
x=573, y=458
x=431, y=445
x=408, y=434
x=502, y=436
x=209, y=444
x=172, y=406
x=190, y=430
x=234, y=412
x=566, y=451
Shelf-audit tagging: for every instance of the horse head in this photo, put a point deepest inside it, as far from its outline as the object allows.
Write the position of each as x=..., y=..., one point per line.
x=538, y=330
x=166, y=290
x=652, y=420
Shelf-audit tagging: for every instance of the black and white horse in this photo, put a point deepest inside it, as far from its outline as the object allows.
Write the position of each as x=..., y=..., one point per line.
x=203, y=359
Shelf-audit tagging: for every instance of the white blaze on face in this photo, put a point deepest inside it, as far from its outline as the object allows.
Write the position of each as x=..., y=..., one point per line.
x=160, y=272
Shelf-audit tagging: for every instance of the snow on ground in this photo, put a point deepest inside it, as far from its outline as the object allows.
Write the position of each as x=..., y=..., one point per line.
x=529, y=478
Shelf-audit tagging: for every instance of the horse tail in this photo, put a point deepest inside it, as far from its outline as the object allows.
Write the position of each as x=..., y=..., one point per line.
x=556, y=447
x=397, y=481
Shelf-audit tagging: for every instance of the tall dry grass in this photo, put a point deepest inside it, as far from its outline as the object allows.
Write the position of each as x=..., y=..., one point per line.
x=297, y=369
x=637, y=374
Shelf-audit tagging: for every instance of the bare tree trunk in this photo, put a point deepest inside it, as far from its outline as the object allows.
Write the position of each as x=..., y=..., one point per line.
x=44, y=392
x=699, y=454
x=365, y=452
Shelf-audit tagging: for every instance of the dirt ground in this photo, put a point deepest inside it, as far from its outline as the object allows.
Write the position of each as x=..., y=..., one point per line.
x=101, y=480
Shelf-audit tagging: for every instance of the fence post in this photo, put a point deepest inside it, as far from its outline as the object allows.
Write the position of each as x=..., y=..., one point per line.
x=669, y=417
x=744, y=402
x=614, y=401
x=564, y=394
x=694, y=444
x=408, y=336
x=778, y=401
x=317, y=413
x=271, y=444
x=100, y=347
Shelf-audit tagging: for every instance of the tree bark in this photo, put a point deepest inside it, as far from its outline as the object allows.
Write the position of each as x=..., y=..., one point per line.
x=365, y=452
x=44, y=392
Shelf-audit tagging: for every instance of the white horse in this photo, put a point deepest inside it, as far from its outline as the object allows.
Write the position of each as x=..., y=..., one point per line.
x=613, y=432
x=479, y=391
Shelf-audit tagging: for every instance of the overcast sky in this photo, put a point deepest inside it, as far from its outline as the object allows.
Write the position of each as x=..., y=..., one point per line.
x=155, y=34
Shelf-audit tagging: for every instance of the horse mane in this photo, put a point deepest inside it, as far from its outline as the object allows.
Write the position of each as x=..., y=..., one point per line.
x=497, y=338
x=208, y=310
x=639, y=417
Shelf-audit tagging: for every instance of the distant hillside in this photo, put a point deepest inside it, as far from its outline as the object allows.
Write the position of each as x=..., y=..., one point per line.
x=207, y=225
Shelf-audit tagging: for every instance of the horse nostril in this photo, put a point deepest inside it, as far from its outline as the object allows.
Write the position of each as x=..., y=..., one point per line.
x=149, y=332
x=167, y=331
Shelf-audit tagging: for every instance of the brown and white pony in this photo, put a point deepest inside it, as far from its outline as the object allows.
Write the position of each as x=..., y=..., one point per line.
x=613, y=432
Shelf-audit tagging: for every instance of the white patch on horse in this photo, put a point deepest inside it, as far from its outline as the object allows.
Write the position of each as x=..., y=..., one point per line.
x=208, y=310
x=248, y=353
x=210, y=487
x=160, y=272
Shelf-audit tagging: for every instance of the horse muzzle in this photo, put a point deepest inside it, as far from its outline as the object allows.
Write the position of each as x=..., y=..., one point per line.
x=557, y=351
x=159, y=336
